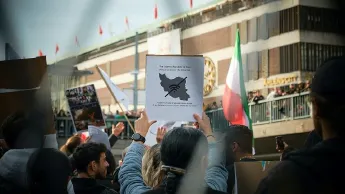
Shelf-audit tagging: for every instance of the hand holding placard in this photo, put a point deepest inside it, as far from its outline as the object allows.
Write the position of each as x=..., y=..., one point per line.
x=205, y=124
x=142, y=125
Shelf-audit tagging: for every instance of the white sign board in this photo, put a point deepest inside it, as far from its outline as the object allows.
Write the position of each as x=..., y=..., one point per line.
x=152, y=134
x=174, y=87
x=168, y=43
x=141, y=96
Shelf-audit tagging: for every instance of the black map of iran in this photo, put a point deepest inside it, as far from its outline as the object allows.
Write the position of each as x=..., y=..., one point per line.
x=175, y=88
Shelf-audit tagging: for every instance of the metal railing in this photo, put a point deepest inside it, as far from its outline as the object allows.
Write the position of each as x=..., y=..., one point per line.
x=285, y=108
x=279, y=109
x=65, y=128
x=291, y=107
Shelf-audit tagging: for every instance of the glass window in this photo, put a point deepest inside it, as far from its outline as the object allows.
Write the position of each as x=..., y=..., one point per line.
x=262, y=27
x=303, y=56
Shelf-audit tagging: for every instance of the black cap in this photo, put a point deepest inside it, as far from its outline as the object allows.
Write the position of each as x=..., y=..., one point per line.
x=329, y=79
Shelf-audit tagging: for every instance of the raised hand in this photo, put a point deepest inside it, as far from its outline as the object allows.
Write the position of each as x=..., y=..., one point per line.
x=161, y=131
x=117, y=130
x=142, y=125
x=204, y=123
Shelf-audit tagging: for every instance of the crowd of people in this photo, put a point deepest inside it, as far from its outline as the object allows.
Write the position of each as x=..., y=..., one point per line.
x=106, y=114
x=184, y=160
x=256, y=96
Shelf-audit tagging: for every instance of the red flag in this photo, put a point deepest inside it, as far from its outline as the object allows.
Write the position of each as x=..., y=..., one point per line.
x=40, y=53
x=127, y=23
x=100, y=30
x=156, y=11
x=76, y=41
x=191, y=3
x=57, y=48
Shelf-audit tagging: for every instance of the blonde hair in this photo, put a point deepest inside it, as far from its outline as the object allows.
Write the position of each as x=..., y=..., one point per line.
x=151, y=167
x=71, y=144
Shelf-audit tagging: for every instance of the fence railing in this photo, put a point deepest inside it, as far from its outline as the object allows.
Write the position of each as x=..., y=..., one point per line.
x=279, y=109
x=285, y=108
x=65, y=128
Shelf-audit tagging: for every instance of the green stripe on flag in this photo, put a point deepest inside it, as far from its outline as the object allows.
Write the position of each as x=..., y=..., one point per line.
x=237, y=55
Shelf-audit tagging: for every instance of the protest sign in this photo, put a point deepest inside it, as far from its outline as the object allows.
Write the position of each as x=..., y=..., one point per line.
x=84, y=106
x=24, y=86
x=152, y=134
x=249, y=174
x=174, y=87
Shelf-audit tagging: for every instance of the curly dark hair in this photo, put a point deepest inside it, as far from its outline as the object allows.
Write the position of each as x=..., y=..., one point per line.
x=86, y=153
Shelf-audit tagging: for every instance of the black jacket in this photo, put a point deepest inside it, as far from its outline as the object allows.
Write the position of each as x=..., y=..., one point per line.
x=116, y=182
x=7, y=187
x=317, y=170
x=90, y=186
x=312, y=139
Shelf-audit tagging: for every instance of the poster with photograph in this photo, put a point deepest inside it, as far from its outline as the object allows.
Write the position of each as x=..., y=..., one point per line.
x=174, y=87
x=84, y=106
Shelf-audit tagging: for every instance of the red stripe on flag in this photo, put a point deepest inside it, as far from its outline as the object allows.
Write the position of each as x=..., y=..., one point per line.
x=100, y=30
x=156, y=11
x=40, y=53
x=127, y=23
x=57, y=48
x=232, y=107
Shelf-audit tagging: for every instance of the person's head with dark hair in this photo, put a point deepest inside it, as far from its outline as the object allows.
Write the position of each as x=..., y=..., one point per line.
x=24, y=129
x=49, y=171
x=180, y=145
x=72, y=143
x=326, y=91
x=183, y=150
x=286, y=151
x=239, y=141
x=90, y=160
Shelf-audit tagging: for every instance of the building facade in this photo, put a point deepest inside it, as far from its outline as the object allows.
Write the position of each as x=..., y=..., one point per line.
x=280, y=40
x=280, y=37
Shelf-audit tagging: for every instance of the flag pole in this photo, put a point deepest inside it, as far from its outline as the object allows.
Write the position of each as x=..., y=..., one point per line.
x=117, y=102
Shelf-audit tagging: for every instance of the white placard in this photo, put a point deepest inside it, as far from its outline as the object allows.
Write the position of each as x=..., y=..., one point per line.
x=174, y=87
x=152, y=134
x=168, y=43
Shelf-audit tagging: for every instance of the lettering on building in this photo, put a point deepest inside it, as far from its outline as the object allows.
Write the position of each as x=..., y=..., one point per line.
x=280, y=81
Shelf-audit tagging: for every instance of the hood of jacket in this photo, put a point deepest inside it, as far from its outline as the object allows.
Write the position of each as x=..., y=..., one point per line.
x=323, y=161
x=13, y=166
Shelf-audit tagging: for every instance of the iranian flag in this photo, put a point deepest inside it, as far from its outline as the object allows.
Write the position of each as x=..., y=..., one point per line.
x=235, y=103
